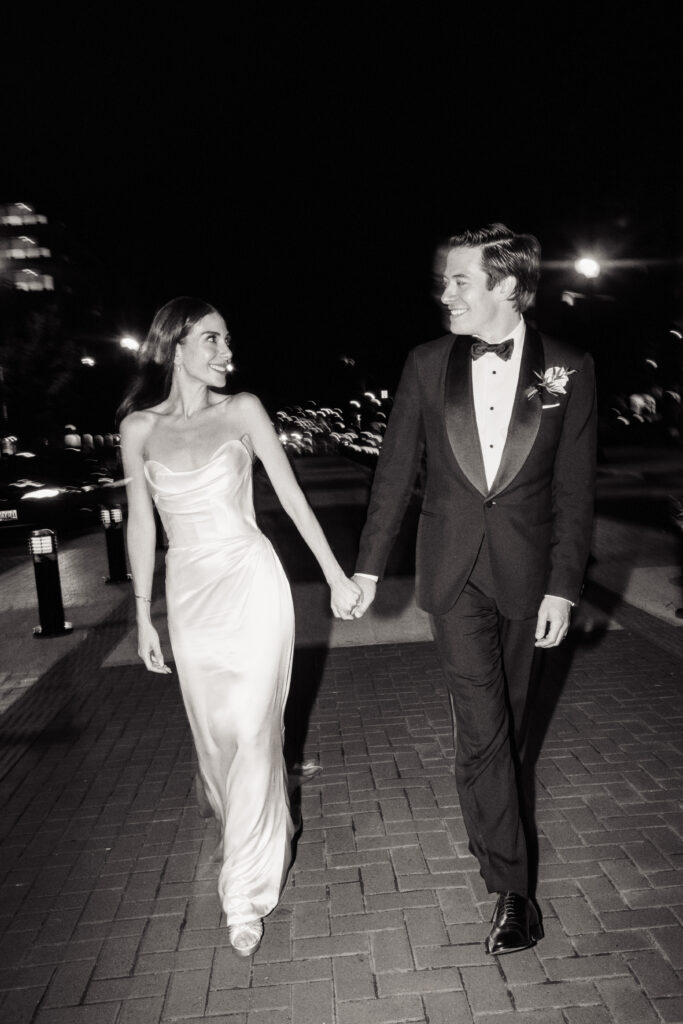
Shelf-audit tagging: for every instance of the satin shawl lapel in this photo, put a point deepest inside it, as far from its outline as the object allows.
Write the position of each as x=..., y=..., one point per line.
x=461, y=424
x=526, y=414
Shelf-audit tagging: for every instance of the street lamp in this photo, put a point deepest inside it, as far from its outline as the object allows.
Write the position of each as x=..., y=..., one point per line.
x=587, y=267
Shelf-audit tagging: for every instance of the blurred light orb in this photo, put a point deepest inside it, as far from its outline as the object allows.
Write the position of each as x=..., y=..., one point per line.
x=587, y=267
x=88, y=361
x=43, y=492
x=131, y=343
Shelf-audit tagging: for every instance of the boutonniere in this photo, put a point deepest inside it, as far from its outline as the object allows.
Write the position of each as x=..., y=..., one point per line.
x=554, y=381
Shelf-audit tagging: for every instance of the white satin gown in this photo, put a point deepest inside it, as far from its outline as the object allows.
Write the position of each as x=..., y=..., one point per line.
x=231, y=625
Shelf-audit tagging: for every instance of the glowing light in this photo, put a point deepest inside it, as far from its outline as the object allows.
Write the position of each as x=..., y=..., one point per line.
x=24, y=483
x=130, y=343
x=42, y=542
x=44, y=492
x=88, y=361
x=587, y=267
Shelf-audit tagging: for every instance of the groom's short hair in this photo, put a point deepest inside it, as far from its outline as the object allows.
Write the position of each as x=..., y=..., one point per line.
x=505, y=254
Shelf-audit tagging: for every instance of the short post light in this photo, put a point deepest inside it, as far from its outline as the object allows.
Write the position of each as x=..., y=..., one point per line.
x=111, y=518
x=43, y=548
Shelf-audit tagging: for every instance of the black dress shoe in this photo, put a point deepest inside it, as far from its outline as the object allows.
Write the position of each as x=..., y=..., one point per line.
x=516, y=925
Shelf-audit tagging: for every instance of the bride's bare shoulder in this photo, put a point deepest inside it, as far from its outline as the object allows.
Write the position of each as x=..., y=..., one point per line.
x=136, y=427
x=244, y=409
x=243, y=399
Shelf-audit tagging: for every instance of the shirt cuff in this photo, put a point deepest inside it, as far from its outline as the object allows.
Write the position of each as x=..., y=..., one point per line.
x=554, y=595
x=367, y=576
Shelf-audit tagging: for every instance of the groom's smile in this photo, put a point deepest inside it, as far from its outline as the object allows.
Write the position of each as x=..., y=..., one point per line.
x=473, y=306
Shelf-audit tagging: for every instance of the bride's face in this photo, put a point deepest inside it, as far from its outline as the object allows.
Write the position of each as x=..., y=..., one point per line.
x=205, y=354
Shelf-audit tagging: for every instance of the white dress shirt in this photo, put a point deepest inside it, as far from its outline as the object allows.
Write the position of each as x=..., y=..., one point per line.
x=494, y=385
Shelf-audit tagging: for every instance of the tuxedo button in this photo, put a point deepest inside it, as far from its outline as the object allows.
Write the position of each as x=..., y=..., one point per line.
x=489, y=504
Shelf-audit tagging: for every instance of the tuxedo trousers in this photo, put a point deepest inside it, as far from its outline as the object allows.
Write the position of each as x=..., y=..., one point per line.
x=487, y=660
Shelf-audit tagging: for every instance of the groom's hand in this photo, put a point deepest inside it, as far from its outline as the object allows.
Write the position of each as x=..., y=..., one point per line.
x=553, y=621
x=368, y=590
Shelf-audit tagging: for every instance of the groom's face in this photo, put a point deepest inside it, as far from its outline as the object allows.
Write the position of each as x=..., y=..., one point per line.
x=473, y=308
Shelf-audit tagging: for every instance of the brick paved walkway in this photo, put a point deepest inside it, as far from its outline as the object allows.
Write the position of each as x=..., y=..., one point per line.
x=109, y=911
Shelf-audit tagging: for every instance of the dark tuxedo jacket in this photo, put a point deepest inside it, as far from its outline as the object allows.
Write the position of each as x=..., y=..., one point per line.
x=537, y=516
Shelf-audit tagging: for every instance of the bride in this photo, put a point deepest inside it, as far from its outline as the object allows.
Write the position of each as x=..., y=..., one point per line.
x=190, y=450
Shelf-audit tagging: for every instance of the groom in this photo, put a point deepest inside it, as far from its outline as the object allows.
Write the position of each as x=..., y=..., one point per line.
x=505, y=420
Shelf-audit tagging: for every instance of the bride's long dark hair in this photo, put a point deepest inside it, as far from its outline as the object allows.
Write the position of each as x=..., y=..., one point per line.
x=170, y=326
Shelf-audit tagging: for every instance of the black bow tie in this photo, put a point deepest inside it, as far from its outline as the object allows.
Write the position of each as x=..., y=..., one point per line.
x=504, y=349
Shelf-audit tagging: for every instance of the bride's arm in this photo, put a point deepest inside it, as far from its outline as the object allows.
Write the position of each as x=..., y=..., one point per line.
x=140, y=539
x=266, y=444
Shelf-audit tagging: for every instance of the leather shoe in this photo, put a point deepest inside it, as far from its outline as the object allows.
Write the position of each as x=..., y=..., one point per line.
x=516, y=924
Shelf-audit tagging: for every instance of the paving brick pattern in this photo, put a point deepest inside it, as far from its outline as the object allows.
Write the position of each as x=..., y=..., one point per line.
x=109, y=913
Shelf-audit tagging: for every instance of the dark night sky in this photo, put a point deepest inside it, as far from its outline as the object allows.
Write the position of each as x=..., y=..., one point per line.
x=298, y=173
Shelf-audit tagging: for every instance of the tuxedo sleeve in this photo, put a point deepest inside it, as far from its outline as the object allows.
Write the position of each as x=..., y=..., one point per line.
x=573, y=487
x=397, y=468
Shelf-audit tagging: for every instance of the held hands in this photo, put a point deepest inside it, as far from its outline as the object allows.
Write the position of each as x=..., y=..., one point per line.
x=344, y=598
x=368, y=590
x=553, y=621
x=149, y=649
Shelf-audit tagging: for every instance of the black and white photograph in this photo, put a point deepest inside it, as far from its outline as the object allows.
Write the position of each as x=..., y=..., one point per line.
x=341, y=516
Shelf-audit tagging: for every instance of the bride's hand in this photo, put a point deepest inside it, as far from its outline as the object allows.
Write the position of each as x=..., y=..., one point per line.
x=344, y=596
x=149, y=650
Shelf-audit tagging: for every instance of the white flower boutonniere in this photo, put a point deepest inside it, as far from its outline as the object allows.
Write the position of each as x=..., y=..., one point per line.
x=554, y=381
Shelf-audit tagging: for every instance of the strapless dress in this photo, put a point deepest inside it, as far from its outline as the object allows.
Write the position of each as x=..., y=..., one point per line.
x=231, y=626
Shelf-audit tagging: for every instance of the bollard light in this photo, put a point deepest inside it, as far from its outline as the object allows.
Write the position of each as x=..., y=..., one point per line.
x=43, y=548
x=111, y=518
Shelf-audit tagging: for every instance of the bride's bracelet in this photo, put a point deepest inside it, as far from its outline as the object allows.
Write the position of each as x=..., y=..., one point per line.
x=141, y=598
